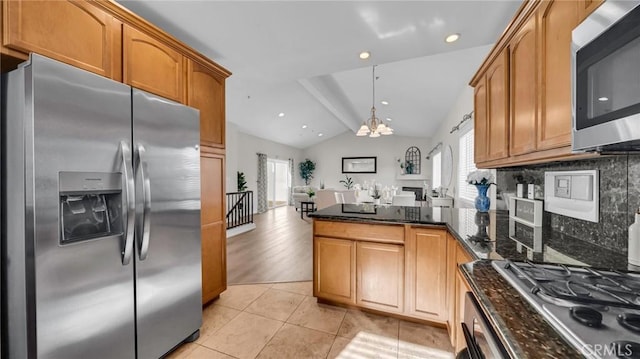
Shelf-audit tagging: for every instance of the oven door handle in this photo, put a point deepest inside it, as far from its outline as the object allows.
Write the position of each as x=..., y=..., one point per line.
x=472, y=347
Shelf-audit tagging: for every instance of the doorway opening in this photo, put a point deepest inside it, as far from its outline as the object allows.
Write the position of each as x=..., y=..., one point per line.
x=278, y=182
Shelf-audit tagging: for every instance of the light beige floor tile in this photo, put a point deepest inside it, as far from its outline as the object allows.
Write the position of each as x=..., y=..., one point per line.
x=205, y=353
x=266, y=285
x=182, y=351
x=215, y=316
x=295, y=342
x=275, y=304
x=305, y=288
x=423, y=341
x=364, y=345
x=240, y=296
x=356, y=321
x=339, y=344
x=316, y=316
x=244, y=336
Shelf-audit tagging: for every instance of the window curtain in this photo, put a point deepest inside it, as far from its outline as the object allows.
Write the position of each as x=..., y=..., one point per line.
x=290, y=181
x=262, y=183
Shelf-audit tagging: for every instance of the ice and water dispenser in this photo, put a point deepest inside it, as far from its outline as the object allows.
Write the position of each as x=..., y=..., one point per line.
x=90, y=205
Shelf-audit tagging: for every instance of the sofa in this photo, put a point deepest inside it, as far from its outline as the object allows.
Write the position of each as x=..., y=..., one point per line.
x=300, y=194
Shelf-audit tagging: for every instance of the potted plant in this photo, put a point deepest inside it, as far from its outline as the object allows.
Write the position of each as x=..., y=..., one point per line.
x=347, y=182
x=311, y=193
x=376, y=195
x=242, y=182
x=482, y=179
x=306, y=170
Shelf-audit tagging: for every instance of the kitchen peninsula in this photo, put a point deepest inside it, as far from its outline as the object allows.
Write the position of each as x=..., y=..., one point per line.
x=404, y=261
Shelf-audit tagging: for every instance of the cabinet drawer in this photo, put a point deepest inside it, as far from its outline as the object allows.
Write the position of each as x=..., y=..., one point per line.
x=360, y=231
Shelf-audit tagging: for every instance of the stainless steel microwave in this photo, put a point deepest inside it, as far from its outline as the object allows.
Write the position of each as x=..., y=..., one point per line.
x=606, y=79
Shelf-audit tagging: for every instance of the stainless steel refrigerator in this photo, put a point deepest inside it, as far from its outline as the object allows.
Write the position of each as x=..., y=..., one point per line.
x=101, y=217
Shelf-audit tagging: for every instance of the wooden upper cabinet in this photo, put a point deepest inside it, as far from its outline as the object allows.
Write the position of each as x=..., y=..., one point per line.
x=153, y=66
x=480, y=123
x=76, y=33
x=557, y=19
x=427, y=273
x=498, y=108
x=380, y=276
x=523, y=84
x=206, y=93
x=586, y=7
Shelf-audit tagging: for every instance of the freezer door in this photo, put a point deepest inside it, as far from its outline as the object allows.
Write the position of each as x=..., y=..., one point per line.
x=168, y=271
x=78, y=295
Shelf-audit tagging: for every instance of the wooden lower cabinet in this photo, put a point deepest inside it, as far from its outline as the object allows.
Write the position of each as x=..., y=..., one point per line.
x=415, y=278
x=214, y=260
x=380, y=276
x=213, y=230
x=334, y=274
x=427, y=273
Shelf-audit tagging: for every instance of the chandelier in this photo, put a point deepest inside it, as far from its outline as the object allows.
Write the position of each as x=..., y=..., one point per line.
x=373, y=126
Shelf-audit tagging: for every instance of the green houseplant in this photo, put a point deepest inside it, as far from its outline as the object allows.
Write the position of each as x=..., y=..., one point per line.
x=242, y=182
x=306, y=170
x=347, y=182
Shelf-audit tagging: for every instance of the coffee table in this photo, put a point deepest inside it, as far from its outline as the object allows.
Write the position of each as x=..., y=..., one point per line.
x=306, y=207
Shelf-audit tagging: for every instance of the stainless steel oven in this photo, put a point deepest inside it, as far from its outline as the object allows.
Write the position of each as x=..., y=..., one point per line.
x=482, y=341
x=606, y=79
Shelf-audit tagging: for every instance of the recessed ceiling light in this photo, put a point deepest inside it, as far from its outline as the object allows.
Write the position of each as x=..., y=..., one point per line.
x=320, y=134
x=365, y=55
x=384, y=102
x=304, y=126
x=389, y=119
x=452, y=38
x=603, y=99
x=281, y=114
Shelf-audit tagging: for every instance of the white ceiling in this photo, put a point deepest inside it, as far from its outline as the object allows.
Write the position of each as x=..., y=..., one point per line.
x=301, y=58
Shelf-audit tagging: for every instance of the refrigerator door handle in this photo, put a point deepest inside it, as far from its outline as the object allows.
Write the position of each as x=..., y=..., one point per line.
x=143, y=245
x=127, y=167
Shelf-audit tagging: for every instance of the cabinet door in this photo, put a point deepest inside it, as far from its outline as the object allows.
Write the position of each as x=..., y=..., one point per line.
x=557, y=20
x=76, y=33
x=523, y=89
x=152, y=66
x=427, y=274
x=214, y=237
x=380, y=276
x=214, y=261
x=206, y=93
x=334, y=269
x=498, y=108
x=480, y=124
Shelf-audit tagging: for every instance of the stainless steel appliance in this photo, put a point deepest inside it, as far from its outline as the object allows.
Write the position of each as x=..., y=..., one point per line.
x=102, y=227
x=481, y=340
x=597, y=311
x=606, y=78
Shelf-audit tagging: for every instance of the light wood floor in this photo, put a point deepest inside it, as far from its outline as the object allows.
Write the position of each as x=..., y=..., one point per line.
x=278, y=250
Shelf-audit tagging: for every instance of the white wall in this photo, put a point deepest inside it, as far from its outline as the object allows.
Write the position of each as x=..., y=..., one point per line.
x=462, y=106
x=241, y=155
x=328, y=158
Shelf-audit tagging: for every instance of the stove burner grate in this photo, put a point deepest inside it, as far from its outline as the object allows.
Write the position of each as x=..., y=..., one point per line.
x=630, y=321
x=587, y=316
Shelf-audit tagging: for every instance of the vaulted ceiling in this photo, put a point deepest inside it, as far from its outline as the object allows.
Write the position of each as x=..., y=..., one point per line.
x=300, y=58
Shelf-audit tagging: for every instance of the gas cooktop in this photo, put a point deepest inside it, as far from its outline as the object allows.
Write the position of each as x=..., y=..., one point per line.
x=597, y=311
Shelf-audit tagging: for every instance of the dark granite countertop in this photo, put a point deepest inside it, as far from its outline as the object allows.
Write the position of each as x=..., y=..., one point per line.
x=494, y=235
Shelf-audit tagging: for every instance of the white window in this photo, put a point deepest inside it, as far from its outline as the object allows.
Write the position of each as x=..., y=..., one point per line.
x=466, y=165
x=437, y=170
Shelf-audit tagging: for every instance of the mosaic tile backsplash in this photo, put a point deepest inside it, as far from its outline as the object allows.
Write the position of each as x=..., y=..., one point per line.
x=619, y=197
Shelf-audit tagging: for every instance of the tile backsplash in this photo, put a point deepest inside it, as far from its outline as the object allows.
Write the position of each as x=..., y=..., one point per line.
x=619, y=196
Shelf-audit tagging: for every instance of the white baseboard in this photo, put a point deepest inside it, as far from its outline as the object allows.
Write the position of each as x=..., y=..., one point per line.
x=240, y=229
